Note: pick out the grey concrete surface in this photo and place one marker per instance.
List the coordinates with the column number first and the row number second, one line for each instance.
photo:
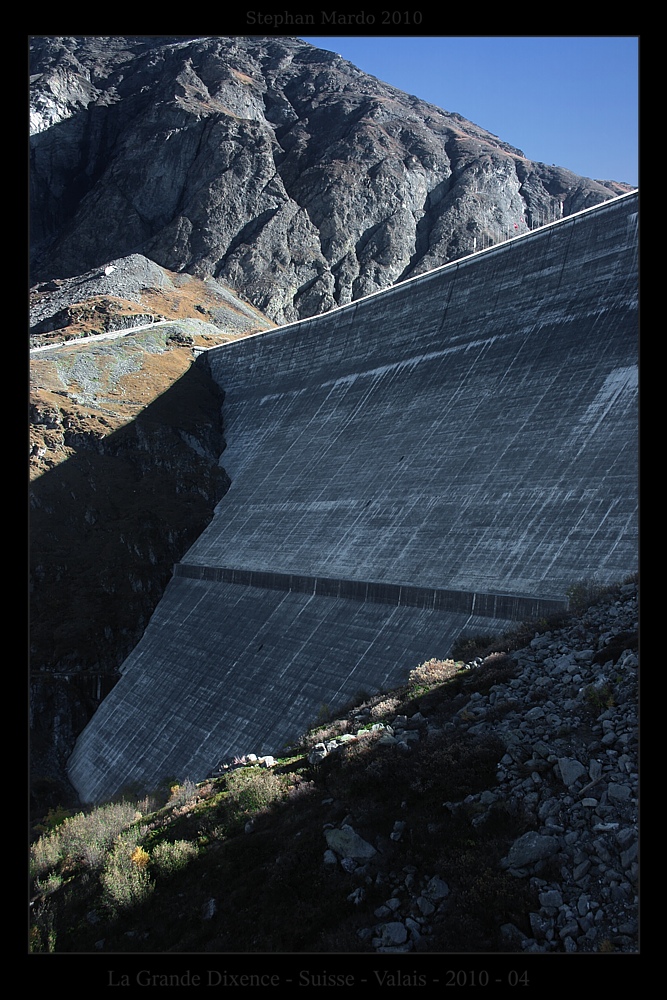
column 224, row 670
column 474, row 428
column 472, row 431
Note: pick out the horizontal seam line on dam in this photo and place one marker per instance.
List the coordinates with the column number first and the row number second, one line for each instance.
column 403, row 595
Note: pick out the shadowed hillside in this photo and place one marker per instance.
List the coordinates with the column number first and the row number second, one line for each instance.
column 125, row 437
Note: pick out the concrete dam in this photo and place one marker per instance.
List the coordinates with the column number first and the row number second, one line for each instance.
column 438, row 459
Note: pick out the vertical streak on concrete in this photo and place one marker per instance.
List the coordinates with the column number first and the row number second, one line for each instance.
column 436, row 458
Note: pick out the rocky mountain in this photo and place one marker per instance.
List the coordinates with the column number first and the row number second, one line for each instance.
column 275, row 166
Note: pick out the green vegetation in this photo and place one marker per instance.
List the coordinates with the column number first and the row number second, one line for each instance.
column 139, row 875
column 235, row 864
column 599, row 697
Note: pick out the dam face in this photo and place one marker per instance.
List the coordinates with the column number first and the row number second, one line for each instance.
column 444, row 457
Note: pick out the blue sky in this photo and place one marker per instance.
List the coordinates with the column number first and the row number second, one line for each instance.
column 572, row 101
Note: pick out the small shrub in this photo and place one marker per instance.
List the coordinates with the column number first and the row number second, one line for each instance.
column 360, row 697
column 97, row 829
column 147, row 804
column 500, row 709
column 252, row 790
column 383, row 708
column 183, row 793
column 34, row 940
column 599, row 696
column 140, row 858
column 125, row 879
column 166, row 858
column 434, row 672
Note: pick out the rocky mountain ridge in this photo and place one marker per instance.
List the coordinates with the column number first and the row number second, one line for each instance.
column 128, row 291
column 277, row 167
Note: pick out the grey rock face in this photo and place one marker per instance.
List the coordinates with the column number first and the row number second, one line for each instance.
column 581, row 857
column 530, row 848
column 349, row 844
column 570, row 770
column 436, row 889
column 126, row 278
column 277, row 167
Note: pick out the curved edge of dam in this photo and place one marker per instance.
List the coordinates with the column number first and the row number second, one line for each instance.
column 436, row 459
